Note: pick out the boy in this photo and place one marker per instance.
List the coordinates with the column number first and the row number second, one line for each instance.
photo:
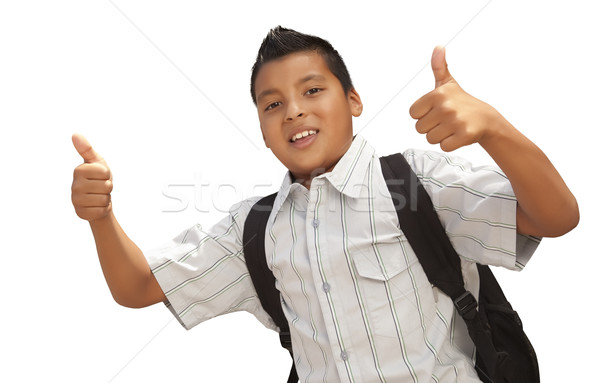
column 359, row 305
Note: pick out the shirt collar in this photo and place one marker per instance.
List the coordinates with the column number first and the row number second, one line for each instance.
column 348, row 175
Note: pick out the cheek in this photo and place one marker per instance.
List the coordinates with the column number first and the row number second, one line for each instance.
column 264, row 129
column 271, row 134
column 269, row 121
column 264, row 124
column 334, row 108
column 336, row 113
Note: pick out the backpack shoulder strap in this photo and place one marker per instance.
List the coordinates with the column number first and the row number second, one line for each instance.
column 422, row 227
column 426, row 235
column 263, row 279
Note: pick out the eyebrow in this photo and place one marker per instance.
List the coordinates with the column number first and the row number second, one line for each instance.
column 311, row 77
column 307, row 78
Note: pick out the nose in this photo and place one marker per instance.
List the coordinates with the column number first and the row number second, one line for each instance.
column 294, row 111
column 290, row 118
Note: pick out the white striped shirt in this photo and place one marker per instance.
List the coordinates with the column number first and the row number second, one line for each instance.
column 358, row 302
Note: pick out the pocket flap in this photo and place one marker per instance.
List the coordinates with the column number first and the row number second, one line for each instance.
column 384, row 260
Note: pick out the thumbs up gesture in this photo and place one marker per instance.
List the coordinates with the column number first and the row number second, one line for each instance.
column 92, row 183
column 448, row 115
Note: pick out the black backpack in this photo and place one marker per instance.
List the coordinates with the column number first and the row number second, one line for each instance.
column 504, row 353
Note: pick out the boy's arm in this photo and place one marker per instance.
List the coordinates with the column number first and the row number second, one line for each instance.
column 453, row 118
column 125, row 268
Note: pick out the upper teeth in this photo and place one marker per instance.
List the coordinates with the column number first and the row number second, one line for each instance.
column 303, row 134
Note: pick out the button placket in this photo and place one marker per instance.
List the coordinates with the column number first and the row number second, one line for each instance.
column 316, row 216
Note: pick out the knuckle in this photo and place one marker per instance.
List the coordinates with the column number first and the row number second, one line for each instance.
column 431, row 139
column 468, row 134
column 445, row 146
column 101, row 171
column 76, row 197
column 460, row 127
column 102, row 211
column 438, row 96
column 419, row 126
column 76, row 187
column 413, row 112
column 91, row 213
column 85, row 214
column 83, row 171
column 444, row 91
column 447, row 107
column 80, row 214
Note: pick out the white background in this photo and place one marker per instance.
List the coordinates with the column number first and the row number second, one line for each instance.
column 161, row 89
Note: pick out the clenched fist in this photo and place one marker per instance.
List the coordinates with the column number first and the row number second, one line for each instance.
column 448, row 115
column 92, row 183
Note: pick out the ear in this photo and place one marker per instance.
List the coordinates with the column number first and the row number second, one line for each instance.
column 355, row 103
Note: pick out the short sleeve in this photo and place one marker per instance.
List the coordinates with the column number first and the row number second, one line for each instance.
column 477, row 207
column 203, row 273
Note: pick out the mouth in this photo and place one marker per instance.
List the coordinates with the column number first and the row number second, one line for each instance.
column 303, row 135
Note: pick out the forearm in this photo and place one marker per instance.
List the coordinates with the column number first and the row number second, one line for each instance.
column 546, row 206
column 124, row 266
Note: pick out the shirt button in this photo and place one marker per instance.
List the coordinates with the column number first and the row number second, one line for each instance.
column 326, row 287
column 315, row 223
column 344, row 355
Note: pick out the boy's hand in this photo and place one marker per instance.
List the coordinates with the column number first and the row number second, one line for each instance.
column 450, row 116
column 92, row 182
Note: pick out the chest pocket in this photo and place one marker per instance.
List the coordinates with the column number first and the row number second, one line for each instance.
column 396, row 291
column 385, row 259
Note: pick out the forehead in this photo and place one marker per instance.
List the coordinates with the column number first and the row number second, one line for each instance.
column 291, row 69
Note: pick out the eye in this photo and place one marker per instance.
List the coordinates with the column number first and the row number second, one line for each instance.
column 313, row 91
column 272, row 106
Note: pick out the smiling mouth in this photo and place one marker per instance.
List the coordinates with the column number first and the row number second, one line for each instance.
column 303, row 134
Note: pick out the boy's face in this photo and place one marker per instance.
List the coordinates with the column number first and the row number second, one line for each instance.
column 298, row 94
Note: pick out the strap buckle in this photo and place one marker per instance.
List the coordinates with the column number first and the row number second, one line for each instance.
column 465, row 304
